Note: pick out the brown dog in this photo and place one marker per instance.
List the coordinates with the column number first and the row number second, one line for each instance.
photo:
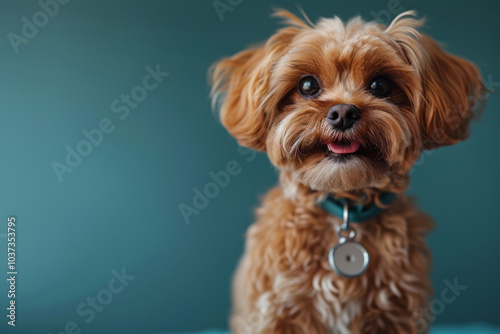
column 343, row 111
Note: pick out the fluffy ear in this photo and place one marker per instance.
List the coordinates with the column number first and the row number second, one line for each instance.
column 242, row 84
column 451, row 91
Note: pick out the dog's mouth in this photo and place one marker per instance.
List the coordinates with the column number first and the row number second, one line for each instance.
column 343, row 147
column 344, row 150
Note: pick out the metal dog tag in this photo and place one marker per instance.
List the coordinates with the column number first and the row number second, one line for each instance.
column 348, row 258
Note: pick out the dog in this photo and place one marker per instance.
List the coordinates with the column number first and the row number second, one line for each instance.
column 343, row 110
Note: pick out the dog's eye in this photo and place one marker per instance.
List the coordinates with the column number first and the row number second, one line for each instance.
column 308, row 87
column 380, row 87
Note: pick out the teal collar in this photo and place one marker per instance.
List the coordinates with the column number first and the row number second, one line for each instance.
column 357, row 213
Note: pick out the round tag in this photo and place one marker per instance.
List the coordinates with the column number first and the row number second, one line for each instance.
column 348, row 259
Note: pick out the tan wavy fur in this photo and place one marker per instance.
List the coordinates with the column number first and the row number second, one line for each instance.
column 284, row 283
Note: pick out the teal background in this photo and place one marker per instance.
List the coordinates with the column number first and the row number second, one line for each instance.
column 119, row 207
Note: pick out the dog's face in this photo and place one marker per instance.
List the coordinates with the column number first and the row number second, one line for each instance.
column 347, row 106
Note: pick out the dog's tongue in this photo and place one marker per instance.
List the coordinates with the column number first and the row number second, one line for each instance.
column 339, row 148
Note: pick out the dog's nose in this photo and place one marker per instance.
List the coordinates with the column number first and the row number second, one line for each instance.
column 343, row 116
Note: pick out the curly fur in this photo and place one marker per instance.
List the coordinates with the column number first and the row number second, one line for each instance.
column 284, row 283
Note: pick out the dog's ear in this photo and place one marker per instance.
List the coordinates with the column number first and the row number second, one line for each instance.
column 242, row 83
column 451, row 88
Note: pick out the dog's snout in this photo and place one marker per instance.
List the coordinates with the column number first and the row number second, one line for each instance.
column 343, row 116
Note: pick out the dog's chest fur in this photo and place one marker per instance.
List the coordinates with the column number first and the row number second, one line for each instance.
column 285, row 268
